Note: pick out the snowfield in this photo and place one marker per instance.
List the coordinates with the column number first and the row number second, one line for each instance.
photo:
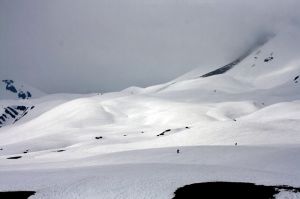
column 239, row 126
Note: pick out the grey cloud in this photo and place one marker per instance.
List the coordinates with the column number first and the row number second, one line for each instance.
column 90, row 46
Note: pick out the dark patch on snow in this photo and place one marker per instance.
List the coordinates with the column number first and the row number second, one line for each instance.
column 163, row 133
column 60, row 150
column 21, row 95
column 187, row 127
column 11, row 87
column 222, row 69
column 21, row 108
column 97, row 138
column 28, row 94
column 12, row 114
column 9, row 113
column 26, row 151
column 232, row 190
column 296, row 79
column 14, row 157
column 124, row 135
column 268, row 59
column 12, row 110
column 16, row 194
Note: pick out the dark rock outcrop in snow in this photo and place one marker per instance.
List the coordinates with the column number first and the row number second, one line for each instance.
column 14, row 157
column 222, row 69
column 163, row 133
column 21, row 94
column 268, row 59
column 16, row 194
column 296, row 79
column 12, row 114
column 232, row 190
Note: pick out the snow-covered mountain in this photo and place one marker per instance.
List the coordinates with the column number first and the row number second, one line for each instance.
column 14, row 98
column 123, row 144
column 10, row 89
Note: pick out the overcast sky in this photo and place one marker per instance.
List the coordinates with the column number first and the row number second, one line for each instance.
column 107, row 45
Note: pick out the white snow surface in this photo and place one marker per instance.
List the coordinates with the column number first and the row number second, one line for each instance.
column 256, row 104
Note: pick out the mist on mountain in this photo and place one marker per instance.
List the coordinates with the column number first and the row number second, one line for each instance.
column 93, row 46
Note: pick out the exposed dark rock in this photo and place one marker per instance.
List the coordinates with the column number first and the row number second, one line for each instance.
column 14, row 157
column 10, row 86
column 163, row 133
column 232, row 190
column 268, row 59
column 12, row 114
column 20, row 94
column 28, row 94
column 16, row 194
column 21, row 108
column 222, row 69
column 9, row 113
column 12, row 110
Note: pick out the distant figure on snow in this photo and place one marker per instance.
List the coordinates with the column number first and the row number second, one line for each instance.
column 178, row 151
column 235, row 144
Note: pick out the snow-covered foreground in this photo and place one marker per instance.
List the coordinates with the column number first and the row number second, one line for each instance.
column 242, row 125
column 153, row 173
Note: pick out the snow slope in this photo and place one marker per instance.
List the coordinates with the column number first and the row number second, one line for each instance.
column 10, row 89
column 123, row 144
